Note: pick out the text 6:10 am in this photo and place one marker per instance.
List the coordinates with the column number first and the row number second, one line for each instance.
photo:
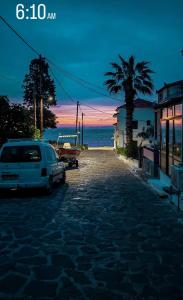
column 34, row 12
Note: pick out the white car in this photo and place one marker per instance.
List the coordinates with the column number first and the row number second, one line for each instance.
column 30, row 164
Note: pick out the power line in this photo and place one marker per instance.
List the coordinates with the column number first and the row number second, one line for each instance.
column 82, row 82
column 62, row 87
column 70, row 97
column 20, row 36
column 35, row 51
column 104, row 112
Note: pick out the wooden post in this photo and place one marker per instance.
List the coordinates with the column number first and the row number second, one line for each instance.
column 35, row 117
column 76, row 122
column 79, row 133
column 41, row 118
column 41, row 100
column 82, row 130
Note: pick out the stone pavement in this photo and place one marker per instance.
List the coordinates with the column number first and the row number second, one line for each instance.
column 104, row 235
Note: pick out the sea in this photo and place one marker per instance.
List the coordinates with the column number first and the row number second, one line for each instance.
column 98, row 136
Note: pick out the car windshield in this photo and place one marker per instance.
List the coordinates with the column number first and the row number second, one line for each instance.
column 15, row 154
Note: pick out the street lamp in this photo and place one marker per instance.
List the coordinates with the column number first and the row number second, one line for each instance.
column 50, row 99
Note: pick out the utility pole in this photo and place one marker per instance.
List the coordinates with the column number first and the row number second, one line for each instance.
column 79, row 133
column 82, row 130
column 41, row 101
column 76, row 122
column 182, row 126
column 35, row 116
column 41, row 117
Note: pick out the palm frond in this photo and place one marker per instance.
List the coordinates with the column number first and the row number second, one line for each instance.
column 149, row 84
column 116, row 66
column 125, row 64
column 147, row 70
column 116, row 89
column 143, row 89
column 110, row 82
column 113, row 74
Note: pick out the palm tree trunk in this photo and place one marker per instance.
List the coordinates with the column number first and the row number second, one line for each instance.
column 129, row 125
column 129, row 99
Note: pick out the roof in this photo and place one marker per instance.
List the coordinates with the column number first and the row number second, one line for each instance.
column 166, row 85
column 139, row 103
column 170, row 102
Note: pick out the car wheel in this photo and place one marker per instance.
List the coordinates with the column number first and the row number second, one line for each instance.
column 62, row 181
column 49, row 188
column 70, row 164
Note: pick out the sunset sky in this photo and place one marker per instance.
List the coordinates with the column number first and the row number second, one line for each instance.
column 86, row 36
column 67, row 115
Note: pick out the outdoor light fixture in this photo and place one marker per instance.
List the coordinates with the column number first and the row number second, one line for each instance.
column 50, row 98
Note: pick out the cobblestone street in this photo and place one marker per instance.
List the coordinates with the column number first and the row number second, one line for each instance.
column 103, row 235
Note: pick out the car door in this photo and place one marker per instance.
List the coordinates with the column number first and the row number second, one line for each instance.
column 53, row 164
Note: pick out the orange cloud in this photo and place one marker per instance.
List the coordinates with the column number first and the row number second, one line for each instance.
column 66, row 115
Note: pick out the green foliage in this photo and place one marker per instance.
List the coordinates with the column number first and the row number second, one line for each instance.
column 121, row 151
column 131, row 150
column 15, row 121
column 38, row 83
column 36, row 134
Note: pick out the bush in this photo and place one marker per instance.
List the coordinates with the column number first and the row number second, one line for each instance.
column 130, row 150
column 121, row 151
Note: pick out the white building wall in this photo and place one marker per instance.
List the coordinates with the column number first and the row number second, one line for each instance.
column 142, row 115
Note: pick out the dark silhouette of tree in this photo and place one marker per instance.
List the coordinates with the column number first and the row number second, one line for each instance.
column 131, row 78
column 15, row 120
column 4, row 122
column 20, row 119
column 38, row 83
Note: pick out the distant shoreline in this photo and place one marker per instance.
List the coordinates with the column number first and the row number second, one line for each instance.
column 94, row 136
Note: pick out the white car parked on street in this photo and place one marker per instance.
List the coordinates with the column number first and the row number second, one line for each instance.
column 30, row 164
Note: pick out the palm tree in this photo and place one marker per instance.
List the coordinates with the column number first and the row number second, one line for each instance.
column 131, row 78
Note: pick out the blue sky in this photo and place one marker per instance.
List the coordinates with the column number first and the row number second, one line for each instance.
column 87, row 36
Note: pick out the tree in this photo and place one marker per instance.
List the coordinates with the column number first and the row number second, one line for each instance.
column 131, row 78
column 4, row 123
column 146, row 134
column 38, row 83
column 15, row 120
column 20, row 120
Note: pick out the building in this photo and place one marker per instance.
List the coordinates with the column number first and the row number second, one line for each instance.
column 143, row 116
column 169, row 125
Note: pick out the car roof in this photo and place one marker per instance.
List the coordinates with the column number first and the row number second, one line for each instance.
column 25, row 143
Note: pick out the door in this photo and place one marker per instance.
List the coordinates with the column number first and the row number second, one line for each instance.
column 164, row 148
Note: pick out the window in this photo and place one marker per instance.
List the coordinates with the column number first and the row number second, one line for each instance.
column 170, row 111
column 178, row 110
column 164, row 113
column 15, row 154
column 174, row 91
column 148, row 122
column 177, row 139
column 50, row 154
column 135, row 124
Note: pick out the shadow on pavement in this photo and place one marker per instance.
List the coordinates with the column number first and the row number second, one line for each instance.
column 32, row 193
